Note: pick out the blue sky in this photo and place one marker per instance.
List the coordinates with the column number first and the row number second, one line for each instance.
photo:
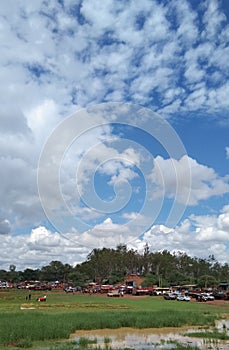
column 69, row 71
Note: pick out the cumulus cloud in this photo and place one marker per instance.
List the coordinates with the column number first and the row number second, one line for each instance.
column 39, row 248
column 197, row 236
column 107, row 234
column 59, row 57
column 170, row 176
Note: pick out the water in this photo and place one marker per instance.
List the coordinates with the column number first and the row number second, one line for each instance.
column 152, row 339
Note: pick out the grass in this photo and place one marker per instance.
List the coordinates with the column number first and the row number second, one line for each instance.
column 22, row 323
column 215, row 334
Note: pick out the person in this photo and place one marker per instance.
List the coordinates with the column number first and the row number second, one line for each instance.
column 28, row 297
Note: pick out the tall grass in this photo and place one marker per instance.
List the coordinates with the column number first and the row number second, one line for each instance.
column 36, row 326
column 215, row 334
column 63, row 314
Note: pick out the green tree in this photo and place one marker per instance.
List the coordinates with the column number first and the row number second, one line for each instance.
column 30, row 275
column 101, row 262
column 55, row 271
column 77, row 277
column 3, row 275
column 13, row 274
column 207, row 281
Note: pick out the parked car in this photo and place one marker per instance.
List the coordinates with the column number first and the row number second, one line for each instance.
column 219, row 295
column 69, row 290
column 205, row 297
column 170, row 296
column 208, row 296
column 183, row 298
column 4, row 284
column 201, row 297
column 114, row 293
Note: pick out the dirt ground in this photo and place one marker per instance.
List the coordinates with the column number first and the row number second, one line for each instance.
column 224, row 303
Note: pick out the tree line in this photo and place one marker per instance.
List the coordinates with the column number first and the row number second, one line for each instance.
column 111, row 266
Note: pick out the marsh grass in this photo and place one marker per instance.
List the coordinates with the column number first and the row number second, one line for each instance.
column 107, row 340
column 185, row 347
column 65, row 346
column 215, row 334
column 47, row 326
column 84, row 342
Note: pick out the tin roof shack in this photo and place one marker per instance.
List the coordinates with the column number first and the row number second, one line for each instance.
column 132, row 282
column 224, row 286
column 222, row 291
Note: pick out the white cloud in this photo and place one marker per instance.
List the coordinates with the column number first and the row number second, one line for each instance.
column 171, row 176
column 186, row 18
column 113, row 50
column 213, row 19
column 56, row 59
column 40, row 238
column 227, row 152
column 39, row 248
column 43, row 118
column 194, row 74
column 198, row 236
column 133, row 216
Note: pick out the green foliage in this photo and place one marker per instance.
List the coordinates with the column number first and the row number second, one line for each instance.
column 112, row 265
column 207, row 281
column 149, row 280
column 210, row 335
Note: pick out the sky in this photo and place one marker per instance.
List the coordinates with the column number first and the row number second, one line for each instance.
column 113, row 128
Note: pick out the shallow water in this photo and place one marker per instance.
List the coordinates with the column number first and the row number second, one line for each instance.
column 151, row 338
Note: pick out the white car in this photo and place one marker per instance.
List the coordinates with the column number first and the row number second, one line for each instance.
column 115, row 293
column 183, row 298
column 208, row 296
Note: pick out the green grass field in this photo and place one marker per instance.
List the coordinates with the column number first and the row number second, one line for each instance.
column 25, row 324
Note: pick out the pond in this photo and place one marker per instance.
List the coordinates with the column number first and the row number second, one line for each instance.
column 153, row 339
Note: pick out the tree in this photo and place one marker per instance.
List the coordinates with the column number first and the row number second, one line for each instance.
column 77, row 277
column 149, row 280
column 207, row 281
column 55, row 271
column 3, row 275
column 102, row 262
column 30, row 275
column 12, row 268
column 112, row 266
column 146, row 259
column 13, row 275
column 224, row 273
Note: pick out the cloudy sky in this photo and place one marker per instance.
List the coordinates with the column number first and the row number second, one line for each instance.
column 113, row 128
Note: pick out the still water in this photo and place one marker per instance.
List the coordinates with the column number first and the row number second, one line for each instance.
column 152, row 339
